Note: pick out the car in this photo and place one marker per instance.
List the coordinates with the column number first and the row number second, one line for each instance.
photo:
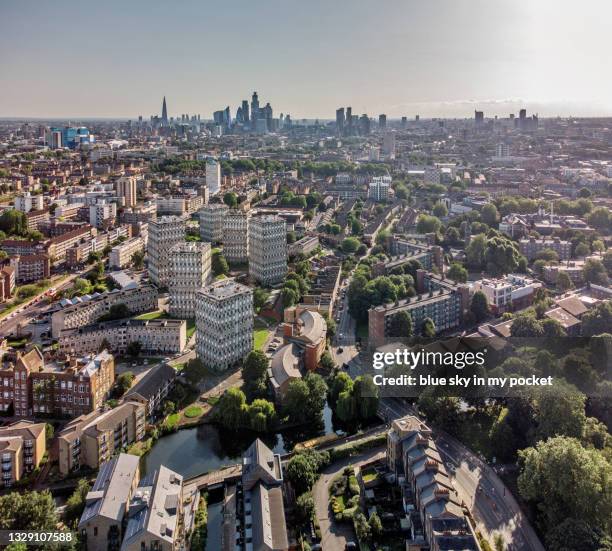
column 340, row 350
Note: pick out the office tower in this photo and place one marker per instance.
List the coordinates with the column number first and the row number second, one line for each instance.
column 479, row 117
column 267, row 249
column 364, row 125
column 349, row 115
column 211, row 222
column 224, row 323
column 340, row 120
column 126, row 188
column 189, row 270
column 164, row 233
column 254, row 108
column 523, row 114
column 245, row 111
column 227, row 118
column 53, row 138
column 213, row 176
column 267, row 115
column 404, row 122
column 417, row 118
column 164, row 115
column 382, row 122
column 389, row 145
column 236, row 236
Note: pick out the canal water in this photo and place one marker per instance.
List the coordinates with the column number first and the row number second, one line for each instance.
column 194, row 451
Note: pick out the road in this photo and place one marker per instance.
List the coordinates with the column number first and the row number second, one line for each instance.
column 493, row 506
column 335, row 535
column 33, row 307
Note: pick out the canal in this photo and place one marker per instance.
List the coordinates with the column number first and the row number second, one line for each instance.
column 191, row 452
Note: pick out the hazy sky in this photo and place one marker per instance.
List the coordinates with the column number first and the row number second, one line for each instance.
column 307, row 57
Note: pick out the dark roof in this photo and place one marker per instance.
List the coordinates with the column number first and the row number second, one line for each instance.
column 155, row 378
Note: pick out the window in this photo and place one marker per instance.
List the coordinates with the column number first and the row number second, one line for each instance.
column 95, row 530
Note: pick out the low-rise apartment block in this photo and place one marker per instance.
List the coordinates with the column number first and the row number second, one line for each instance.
column 141, row 299
column 102, row 521
column 22, row 447
column 92, row 439
column 154, row 386
column 121, row 255
column 32, row 386
column 530, row 247
column 29, row 268
column 303, row 246
column 511, row 292
column 156, row 336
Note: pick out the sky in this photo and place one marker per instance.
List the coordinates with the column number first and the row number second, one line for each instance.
column 70, row 58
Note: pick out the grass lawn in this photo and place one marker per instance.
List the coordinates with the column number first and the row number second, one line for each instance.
column 193, row 411
column 151, row 315
column 362, row 331
column 191, row 327
column 259, row 338
column 140, row 448
column 172, row 420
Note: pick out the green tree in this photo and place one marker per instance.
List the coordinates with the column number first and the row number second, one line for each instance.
column 231, row 409
column 261, row 414
column 305, row 507
column 124, row 382
column 429, row 328
column 560, row 412
column 303, row 470
column 475, row 251
column 479, row 306
column 489, row 214
column 230, row 199
column 350, row 245
column 582, row 249
column 595, row 272
column 566, row 480
column 194, row 371
column 564, row 282
column 255, row 374
column 376, row 527
column 400, row 325
column 362, row 528
column 219, row 264
column 133, row 349
column 338, row 383
column 526, row 325
column 365, row 397
column 576, row 535
column 76, row 503
column 598, row 320
column 440, row 210
column 260, row 297
column 138, row 260
column 34, row 511
column 457, row 273
column 428, row 224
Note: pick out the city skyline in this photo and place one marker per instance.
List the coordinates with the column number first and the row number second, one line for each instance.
column 404, row 58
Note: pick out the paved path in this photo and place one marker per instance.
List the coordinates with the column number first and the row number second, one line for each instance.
column 335, row 535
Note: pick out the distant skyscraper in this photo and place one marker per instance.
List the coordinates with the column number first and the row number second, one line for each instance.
column 254, row 107
column 164, row 116
column 340, row 120
column 364, row 124
column 382, row 122
column 245, row 110
column 126, row 188
column 389, row 145
column 479, row 117
column 404, row 122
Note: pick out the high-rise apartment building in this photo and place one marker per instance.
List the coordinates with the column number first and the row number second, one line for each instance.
column 267, row 249
column 213, row 176
column 382, row 122
column 236, row 236
column 224, row 323
column 378, row 189
column 126, row 188
column 211, row 222
column 190, row 270
column 164, row 233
